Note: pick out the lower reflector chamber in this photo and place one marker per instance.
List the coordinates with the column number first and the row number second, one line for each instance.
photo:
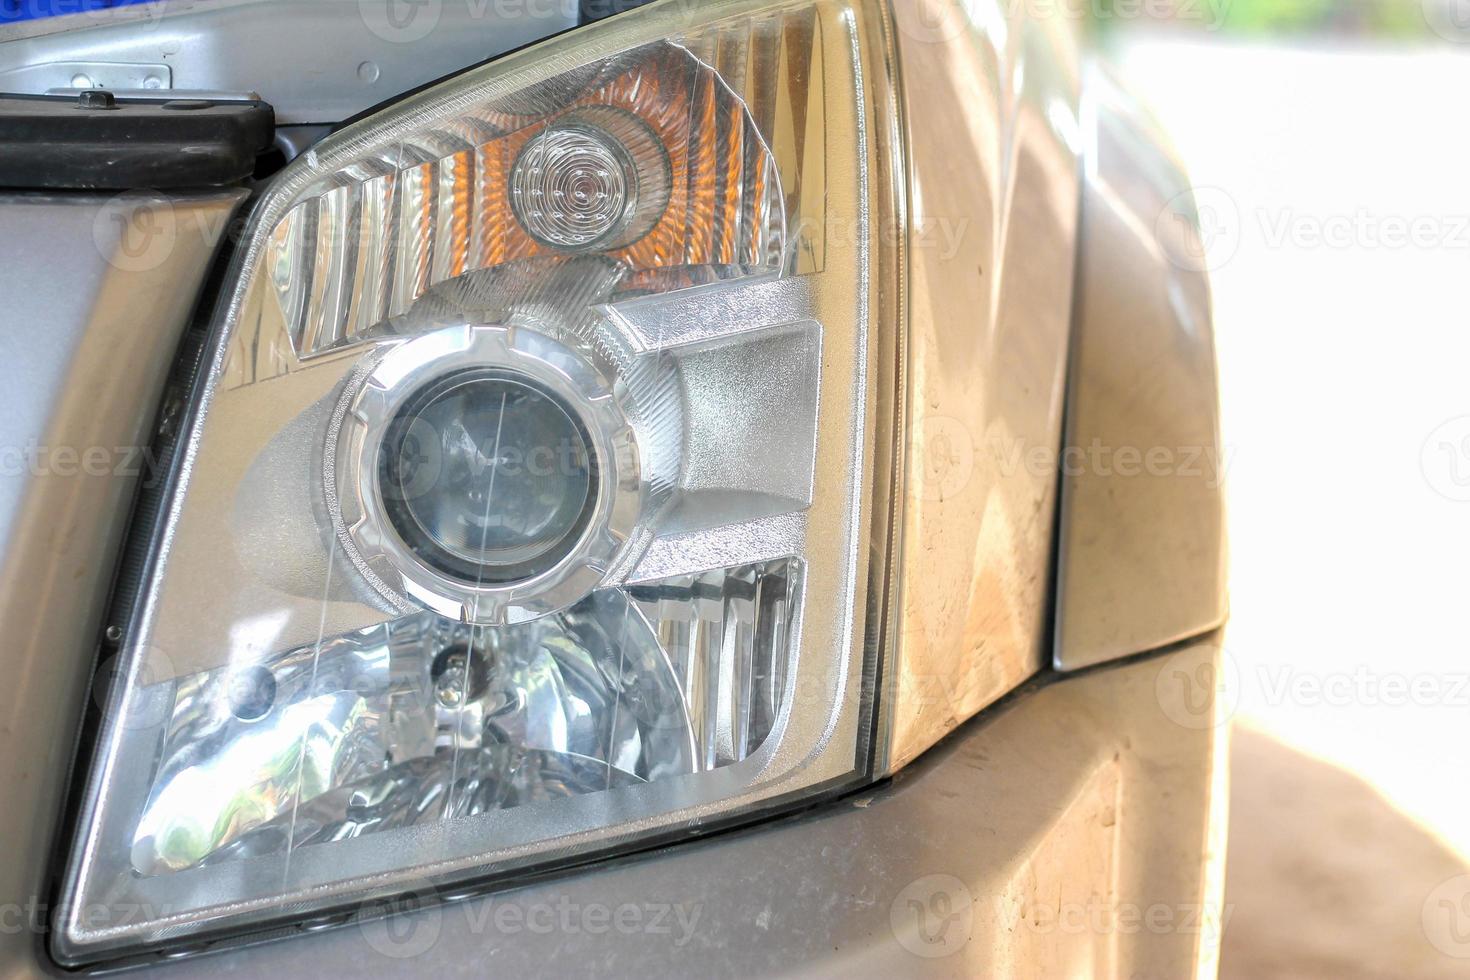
column 425, row 719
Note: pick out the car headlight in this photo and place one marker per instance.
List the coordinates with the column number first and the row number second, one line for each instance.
column 533, row 487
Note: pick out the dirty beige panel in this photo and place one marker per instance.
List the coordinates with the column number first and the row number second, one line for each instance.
column 993, row 193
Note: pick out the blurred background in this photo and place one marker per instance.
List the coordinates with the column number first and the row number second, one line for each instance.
column 1331, row 160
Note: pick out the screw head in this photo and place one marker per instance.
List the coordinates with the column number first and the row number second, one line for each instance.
column 96, row 98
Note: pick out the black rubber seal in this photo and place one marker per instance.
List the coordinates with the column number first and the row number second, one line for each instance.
column 94, row 141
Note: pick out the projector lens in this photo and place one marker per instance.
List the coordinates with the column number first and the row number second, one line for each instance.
column 487, row 476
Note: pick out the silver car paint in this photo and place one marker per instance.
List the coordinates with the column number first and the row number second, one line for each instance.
column 1142, row 552
column 96, row 292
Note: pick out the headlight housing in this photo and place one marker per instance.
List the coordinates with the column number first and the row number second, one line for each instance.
column 536, row 496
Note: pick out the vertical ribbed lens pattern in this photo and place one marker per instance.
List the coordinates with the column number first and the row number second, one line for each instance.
column 573, row 187
column 660, row 164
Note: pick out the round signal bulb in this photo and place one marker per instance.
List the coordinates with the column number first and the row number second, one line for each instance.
column 573, row 187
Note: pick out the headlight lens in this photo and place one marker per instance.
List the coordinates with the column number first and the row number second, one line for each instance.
column 528, row 503
column 505, row 472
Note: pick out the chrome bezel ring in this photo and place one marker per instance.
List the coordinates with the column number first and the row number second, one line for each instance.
column 373, row 400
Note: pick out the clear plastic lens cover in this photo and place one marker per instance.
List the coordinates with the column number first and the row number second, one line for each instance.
column 523, row 512
column 422, row 719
